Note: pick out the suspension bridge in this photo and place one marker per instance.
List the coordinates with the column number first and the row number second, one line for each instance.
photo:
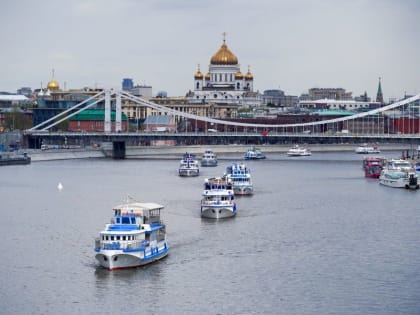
column 398, row 122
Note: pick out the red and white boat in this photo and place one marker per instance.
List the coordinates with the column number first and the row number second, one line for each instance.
column 373, row 166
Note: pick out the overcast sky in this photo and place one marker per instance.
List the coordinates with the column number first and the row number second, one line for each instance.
column 293, row 45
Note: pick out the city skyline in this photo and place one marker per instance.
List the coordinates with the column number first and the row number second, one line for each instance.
column 291, row 45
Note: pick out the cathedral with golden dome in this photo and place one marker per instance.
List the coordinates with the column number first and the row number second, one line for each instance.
column 224, row 82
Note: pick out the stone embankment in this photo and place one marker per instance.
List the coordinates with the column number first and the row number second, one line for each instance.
column 175, row 152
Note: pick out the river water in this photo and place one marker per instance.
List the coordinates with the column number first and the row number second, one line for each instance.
column 315, row 238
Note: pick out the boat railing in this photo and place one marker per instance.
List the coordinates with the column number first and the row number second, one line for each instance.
column 216, row 202
column 120, row 245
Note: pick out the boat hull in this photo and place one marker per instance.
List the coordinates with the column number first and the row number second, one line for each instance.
column 399, row 183
column 243, row 190
column 208, row 163
column 117, row 259
column 218, row 212
column 188, row 172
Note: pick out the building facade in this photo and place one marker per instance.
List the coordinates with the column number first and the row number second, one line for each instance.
column 224, row 82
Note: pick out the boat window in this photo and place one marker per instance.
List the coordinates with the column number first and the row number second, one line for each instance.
column 124, row 238
column 118, row 237
column 112, row 237
column 133, row 220
column 118, row 220
column 106, row 238
column 125, row 220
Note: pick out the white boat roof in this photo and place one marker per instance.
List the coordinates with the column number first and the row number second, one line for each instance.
column 138, row 206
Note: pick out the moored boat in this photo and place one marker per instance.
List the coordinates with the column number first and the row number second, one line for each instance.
column 240, row 175
column 399, row 178
column 14, row 158
column 188, row 166
column 209, row 158
column 373, row 166
column 254, row 153
column 367, row 149
column 218, row 198
column 136, row 236
column 297, row 150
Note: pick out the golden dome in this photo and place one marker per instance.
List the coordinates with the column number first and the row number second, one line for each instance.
column 53, row 85
column 198, row 75
column 224, row 56
column 249, row 75
column 239, row 75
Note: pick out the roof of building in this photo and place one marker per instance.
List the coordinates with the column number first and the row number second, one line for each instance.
column 13, row 97
column 158, row 120
column 95, row 114
column 333, row 112
column 224, row 56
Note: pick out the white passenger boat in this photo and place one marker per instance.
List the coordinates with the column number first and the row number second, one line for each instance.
column 399, row 178
column 399, row 164
column 254, row 154
column 240, row 175
column 218, row 198
column 188, row 166
column 367, row 149
column 209, row 158
column 136, row 236
column 296, row 150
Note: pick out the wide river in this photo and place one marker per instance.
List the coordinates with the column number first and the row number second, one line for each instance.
column 315, row 238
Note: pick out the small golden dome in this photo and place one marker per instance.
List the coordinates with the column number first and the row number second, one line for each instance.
column 224, row 56
column 239, row 75
column 249, row 75
column 198, row 75
column 207, row 77
column 53, row 85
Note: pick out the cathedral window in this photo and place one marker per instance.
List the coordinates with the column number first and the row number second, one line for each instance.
column 238, row 86
column 225, row 77
column 215, row 95
column 198, row 85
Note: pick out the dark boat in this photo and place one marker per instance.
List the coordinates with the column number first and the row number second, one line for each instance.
column 14, row 159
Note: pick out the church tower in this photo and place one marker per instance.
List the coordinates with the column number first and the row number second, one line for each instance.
column 379, row 96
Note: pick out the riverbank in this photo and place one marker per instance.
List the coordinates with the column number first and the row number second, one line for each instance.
column 174, row 152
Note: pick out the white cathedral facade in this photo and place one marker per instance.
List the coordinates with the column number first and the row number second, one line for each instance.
column 224, row 82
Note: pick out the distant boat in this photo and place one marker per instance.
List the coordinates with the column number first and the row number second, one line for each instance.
column 373, row 166
column 399, row 174
column 60, row 186
column 240, row 175
column 254, row 154
column 188, row 166
column 14, row 158
column 296, row 150
column 209, row 158
column 367, row 149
